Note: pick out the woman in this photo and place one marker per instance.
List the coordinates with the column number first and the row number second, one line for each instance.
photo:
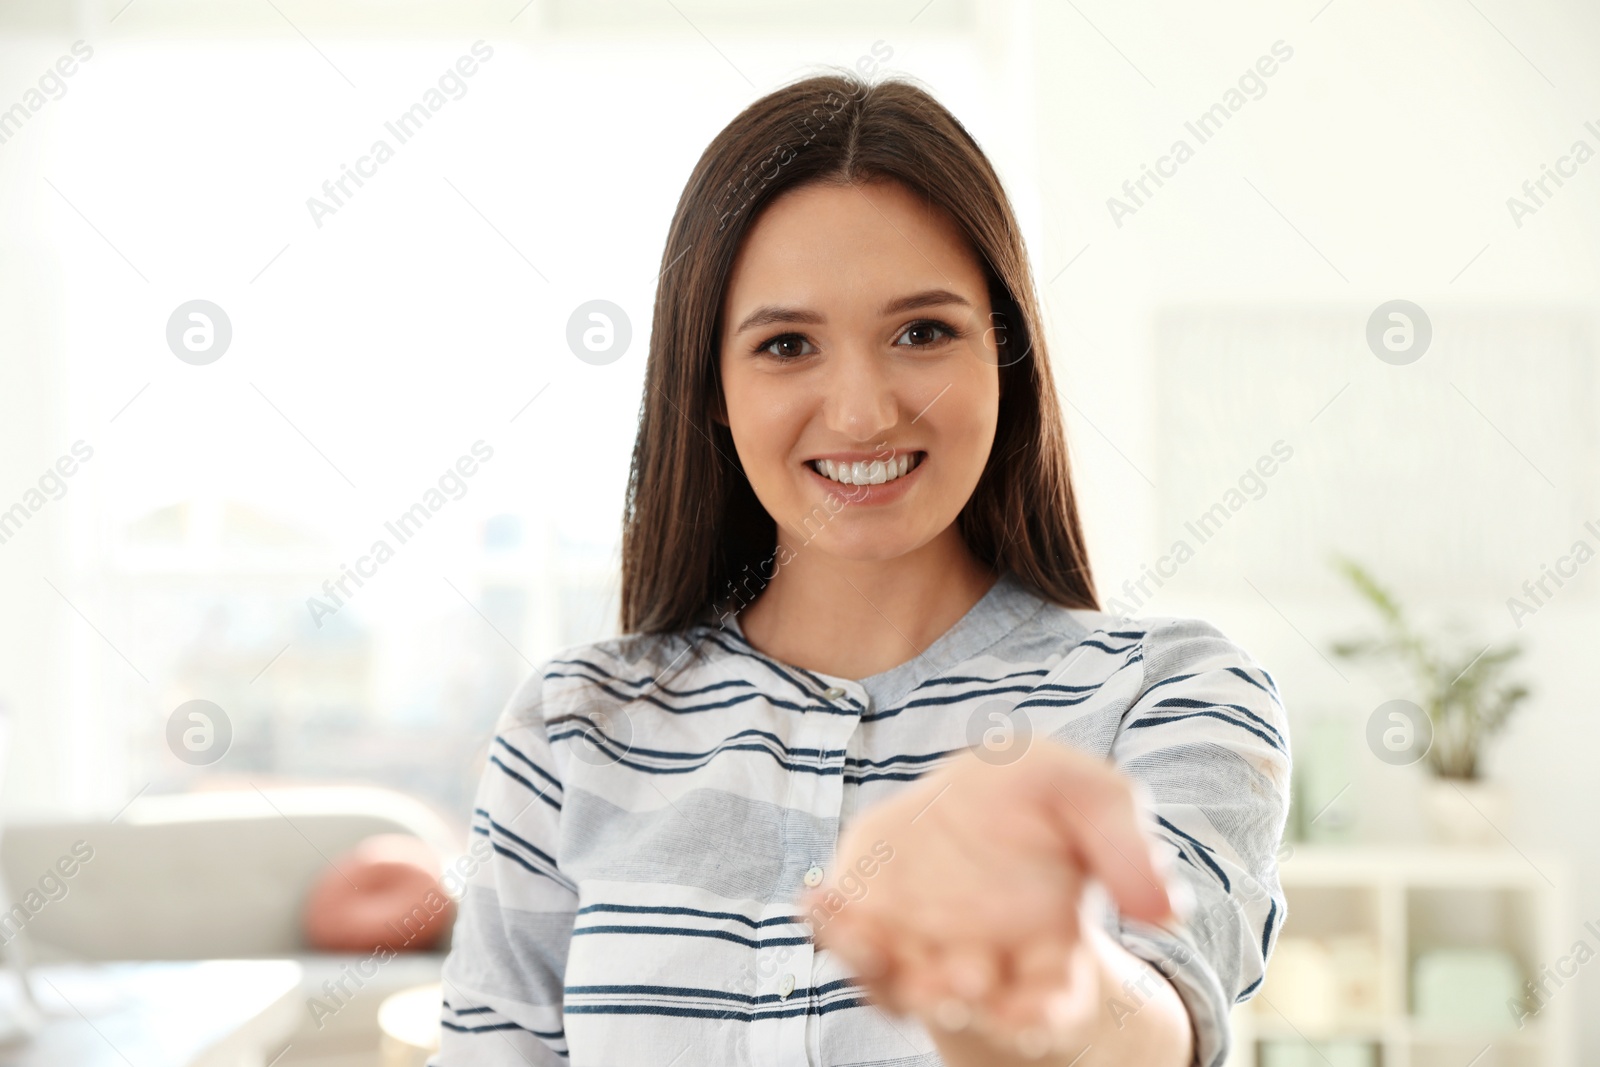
column 840, row 794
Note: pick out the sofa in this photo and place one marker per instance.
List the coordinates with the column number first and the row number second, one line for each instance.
column 219, row 875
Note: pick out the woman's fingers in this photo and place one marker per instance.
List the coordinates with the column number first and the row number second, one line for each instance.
column 969, row 908
column 853, row 937
column 1035, row 971
column 1101, row 811
column 1072, row 1008
column 971, row 971
column 902, row 972
column 1052, row 998
column 920, row 987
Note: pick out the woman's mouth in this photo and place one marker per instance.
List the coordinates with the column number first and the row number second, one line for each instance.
column 867, row 472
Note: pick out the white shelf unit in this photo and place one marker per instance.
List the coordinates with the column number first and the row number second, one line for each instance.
column 1412, row 899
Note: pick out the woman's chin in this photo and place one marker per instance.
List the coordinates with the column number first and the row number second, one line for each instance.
column 868, row 542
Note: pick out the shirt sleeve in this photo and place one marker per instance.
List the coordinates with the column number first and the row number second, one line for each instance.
column 502, row 980
column 1208, row 739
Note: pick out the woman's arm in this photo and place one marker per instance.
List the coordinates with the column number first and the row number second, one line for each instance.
column 502, row 981
column 1137, row 1019
column 982, row 924
column 989, row 860
column 1207, row 741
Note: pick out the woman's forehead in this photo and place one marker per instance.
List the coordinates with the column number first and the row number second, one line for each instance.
column 849, row 245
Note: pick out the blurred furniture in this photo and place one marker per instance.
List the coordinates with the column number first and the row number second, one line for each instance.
column 221, row 1013
column 1466, row 986
column 410, row 1024
column 203, row 875
column 1320, row 1054
column 386, row 891
column 1409, row 903
column 224, row 875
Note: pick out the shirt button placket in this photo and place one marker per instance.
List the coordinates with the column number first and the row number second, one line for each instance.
column 832, row 733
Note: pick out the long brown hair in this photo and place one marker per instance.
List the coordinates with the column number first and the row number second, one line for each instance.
column 693, row 531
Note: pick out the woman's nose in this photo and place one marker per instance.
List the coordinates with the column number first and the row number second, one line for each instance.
column 861, row 402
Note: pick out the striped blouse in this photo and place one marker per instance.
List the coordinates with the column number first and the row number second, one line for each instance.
column 654, row 805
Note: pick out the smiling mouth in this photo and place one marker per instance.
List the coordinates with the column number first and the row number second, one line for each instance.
column 867, row 472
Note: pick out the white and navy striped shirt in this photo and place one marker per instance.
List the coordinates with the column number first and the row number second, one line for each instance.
column 654, row 805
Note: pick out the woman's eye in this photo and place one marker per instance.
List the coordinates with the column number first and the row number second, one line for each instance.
column 788, row 346
column 925, row 334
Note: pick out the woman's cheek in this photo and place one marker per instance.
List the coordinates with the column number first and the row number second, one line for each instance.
column 750, row 422
column 970, row 441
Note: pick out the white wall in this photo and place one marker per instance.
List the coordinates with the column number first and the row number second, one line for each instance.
column 1390, row 141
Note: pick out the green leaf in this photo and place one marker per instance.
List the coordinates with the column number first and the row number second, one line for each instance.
column 1368, row 587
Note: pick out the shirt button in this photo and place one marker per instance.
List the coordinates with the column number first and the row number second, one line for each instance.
column 833, row 692
column 814, row 877
column 785, row 987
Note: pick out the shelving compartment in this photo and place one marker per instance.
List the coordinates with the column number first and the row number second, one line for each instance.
column 1326, row 983
column 1470, row 949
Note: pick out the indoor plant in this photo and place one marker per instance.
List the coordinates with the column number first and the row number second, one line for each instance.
column 1461, row 691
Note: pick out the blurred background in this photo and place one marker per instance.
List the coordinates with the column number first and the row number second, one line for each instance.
column 1321, row 281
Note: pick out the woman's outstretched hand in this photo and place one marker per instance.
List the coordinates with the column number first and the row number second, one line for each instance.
column 961, row 900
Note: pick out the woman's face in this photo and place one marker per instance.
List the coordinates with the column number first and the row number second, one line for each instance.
column 856, row 343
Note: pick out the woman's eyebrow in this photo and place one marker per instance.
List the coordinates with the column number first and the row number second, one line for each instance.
column 926, row 299
column 768, row 314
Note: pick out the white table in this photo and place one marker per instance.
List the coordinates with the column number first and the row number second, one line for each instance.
column 212, row 1013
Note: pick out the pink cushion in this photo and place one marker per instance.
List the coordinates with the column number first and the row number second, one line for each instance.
column 384, row 893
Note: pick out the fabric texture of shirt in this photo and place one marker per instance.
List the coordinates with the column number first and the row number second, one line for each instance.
column 655, row 805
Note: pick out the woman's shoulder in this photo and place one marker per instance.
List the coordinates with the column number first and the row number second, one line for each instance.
column 1187, row 657
column 1179, row 679
column 1152, row 631
column 1164, row 645
column 614, row 670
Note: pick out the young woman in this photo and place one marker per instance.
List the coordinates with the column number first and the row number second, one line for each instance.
column 850, row 789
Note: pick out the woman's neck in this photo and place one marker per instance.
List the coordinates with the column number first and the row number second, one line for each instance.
column 856, row 618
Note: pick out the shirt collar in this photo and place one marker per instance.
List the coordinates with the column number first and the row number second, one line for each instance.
column 1007, row 604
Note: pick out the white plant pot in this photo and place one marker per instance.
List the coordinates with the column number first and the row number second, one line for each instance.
column 1467, row 812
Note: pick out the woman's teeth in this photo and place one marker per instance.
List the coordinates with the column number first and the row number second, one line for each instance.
column 869, row 472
